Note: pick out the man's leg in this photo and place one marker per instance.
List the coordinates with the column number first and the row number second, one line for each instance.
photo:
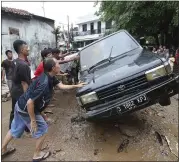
column 38, row 148
column 40, row 136
column 6, row 141
column 12, row 111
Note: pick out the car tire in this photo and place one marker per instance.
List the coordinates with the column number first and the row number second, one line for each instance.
column 165, row 101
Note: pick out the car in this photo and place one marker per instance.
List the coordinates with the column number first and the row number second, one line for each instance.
column 122, row 77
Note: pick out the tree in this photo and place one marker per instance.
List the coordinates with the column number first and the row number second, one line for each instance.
column 58, row 34
column 144, row 18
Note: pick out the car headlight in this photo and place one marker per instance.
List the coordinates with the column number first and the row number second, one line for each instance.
column 88, row 98
column 156, row 73
column 168, row 67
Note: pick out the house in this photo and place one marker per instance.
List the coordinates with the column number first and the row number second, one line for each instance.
column 35, row 30
column 90, row 28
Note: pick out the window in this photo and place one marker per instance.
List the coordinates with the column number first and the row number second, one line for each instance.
column 115, row 44
column 99, row 27
column 92, row 28
column 108, row 24
column 84, row 27
column 13, row 31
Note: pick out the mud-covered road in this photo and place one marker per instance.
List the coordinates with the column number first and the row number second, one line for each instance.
column 149, row 134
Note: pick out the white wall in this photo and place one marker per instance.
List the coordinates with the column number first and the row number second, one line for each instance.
column 103, row 25
column 36, row 33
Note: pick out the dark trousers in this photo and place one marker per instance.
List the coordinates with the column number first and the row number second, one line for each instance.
column 14, row 100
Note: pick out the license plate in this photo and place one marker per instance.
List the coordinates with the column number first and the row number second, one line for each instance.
column 130, row 105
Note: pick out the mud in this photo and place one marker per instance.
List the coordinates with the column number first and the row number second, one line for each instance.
column 132, row 138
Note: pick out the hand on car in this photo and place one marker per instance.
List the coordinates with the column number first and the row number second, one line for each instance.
column 79, row 85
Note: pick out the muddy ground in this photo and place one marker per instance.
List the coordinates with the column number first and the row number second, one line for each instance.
column 138, row 137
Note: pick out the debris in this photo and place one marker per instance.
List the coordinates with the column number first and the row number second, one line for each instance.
column 58, row 150
column 45, row 147
column 101, row 139
column 48, row 112
column 159, row 114
column 77, row 119
column 129, row 131
column 123, row 145
column 96, row 151
column 159, row 138
column 164, row 153
column 51, row 105
column 175, row 152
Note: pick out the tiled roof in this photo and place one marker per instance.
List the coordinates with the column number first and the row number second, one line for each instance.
column 16, row 11
column 23, row 13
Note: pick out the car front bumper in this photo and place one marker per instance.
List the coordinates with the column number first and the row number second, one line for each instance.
column 168, row 88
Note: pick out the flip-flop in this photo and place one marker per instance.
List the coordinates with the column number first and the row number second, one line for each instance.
column 45, row 156
column 9, row 151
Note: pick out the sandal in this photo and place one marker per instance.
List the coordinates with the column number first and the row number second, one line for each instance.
column 8, row 151
column 45, row 156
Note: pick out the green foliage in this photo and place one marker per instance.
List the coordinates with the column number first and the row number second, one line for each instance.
column 142, row 18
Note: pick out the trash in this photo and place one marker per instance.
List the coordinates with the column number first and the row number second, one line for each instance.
column 96, row 151
column 159, row 138
column 123, row 145
column 172, row 150
column 58, row 150
column 48, row 112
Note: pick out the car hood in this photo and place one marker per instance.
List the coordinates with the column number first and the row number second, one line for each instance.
column 131, row 64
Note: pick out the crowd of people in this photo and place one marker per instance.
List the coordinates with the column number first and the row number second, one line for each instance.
column 31, row 96
column 171, row 55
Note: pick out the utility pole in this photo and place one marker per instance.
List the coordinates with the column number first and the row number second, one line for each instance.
column 43, row 8
column 68, row 31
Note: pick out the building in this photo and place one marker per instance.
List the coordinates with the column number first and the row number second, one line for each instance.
column 34, row 29
column 90, row 28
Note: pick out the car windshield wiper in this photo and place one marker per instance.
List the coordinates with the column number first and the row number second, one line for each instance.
column 100, row 62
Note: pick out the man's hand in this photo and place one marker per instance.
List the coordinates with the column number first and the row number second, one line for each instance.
column 79, row 85
column 77, row 57
column 33, row 126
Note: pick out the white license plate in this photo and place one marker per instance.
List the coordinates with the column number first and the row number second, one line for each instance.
column 127, row 106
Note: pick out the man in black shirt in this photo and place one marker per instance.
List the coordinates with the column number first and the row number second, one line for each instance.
column 21, row 74
column 30, row 106
column 7, row 68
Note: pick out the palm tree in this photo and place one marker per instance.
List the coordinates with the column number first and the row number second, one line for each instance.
column 58, row 34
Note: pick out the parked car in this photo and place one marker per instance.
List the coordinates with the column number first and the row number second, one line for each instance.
column 123, row 77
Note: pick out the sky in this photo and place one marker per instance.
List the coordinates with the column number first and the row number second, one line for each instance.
column 57, row 11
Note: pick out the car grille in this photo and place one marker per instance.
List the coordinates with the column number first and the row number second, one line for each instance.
column 128, row 87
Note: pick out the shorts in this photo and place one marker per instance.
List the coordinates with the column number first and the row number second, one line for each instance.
column 21, row 121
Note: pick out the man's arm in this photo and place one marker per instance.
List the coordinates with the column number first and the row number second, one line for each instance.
column 63, row 86
column 3, row 71
column 30, row 109
column 24, row 86
column 64, row 55
column 68, row 60
column 3, row 74
column 25, row 76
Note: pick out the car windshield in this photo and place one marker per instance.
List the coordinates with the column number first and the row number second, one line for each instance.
column 120, row 43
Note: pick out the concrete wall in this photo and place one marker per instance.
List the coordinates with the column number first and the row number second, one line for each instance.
column 38, row 34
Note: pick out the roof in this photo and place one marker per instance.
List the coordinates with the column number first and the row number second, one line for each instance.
column 87, row 18
column 16, row 11
column 23, row 13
